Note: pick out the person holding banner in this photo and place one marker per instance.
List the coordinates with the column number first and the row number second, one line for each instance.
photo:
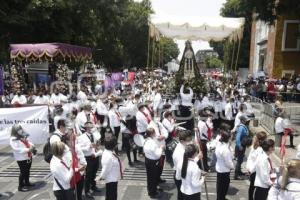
column 23, row 151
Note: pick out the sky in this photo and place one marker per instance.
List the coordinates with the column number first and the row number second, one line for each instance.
column 203, row 8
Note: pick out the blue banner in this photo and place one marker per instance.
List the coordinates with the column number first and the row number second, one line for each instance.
column 1, row 81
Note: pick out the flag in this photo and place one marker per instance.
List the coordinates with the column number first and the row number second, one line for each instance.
column 77, row 176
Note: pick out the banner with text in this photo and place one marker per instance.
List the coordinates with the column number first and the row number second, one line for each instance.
column 34, row 121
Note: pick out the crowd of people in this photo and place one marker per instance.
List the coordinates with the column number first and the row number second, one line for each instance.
column 92, row 128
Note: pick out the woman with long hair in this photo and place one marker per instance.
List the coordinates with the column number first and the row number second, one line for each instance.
column 190, row 174
column 290, row 186
column 252, row 159
column 224, row 164
column 264, row 168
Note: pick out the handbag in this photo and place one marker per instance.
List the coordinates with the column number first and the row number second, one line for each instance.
column 68, row 194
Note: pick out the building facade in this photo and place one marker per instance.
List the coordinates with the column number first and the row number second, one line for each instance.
column 275, row 49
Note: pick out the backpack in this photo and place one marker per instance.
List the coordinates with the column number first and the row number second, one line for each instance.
column 47, row 149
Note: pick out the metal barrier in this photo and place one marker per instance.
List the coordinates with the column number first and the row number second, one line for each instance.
column 264, row 112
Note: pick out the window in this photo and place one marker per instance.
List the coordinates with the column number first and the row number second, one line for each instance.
column 291, row 35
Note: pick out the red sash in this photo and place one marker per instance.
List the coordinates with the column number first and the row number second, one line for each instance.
column 76, row 176
column 147, row 117
column 27, row 145
column 209, row 132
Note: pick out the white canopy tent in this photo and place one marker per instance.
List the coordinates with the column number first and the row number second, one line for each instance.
column 196, row 28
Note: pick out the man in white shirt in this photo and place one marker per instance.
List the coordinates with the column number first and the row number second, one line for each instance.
column 60, row 132
column 81, row 95
column 237, row 121
column 202, row 137
column 157, row 102
column 82, row 117
column 41, row 99
column 91, row 151
column 19, row 99
column 102, row 112
column 55, row 98
column 230, row 112
column 186, row 98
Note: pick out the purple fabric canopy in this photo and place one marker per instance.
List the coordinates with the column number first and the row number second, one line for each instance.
column 36, row 51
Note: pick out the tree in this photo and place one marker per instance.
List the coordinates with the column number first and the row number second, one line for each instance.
column 213, row 62
column 236, row 8
column 119, row 28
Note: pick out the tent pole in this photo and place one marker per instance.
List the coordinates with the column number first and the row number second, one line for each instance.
column 237, row 56
column 153, row 47
column 159, row 51
column 148, row 51
column 232, row 58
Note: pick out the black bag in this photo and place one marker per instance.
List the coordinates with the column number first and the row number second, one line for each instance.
column 47, row 149
column 246, row 141
column 68, row 194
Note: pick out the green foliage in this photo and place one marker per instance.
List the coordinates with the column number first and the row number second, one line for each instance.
column 169, row 48
column 117, row 29
column 213, row 62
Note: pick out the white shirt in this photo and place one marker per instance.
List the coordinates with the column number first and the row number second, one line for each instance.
column 114, row 119
column 263, row 170
column 152, row 150
column 224, row 158
column 55, row 138
column 110, row 167
column 186, row 99
column 193, row 181
column 292, row 191
column 160, row 130
column 62, row 174
column 141, row 122
column 157, row 101
column 101, row 108
column 237, row 120
column 19, row 99
column 84, row 143
column 178, row 155
column 81, row 96
column 41, row 100
column 252, row 158
column 168, row 125
column 202, row 127
column 279, row 125
column 55, row 99
column 228, row 111
column 80, row 120
column 20, row 151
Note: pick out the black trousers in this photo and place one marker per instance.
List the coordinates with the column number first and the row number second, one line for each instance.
column 240, row 158
column 128, row 138
column 79, row 188
column 223, row 181
column 161, row 166
column 117, row 131
column 111, row 191
column 205, row 158
column 91, row 170
column 141, row 151
column 24, row 166
column 178, row 185
column 196, row 196
column 152, row 170
column 261, row 193
column 251, row 187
